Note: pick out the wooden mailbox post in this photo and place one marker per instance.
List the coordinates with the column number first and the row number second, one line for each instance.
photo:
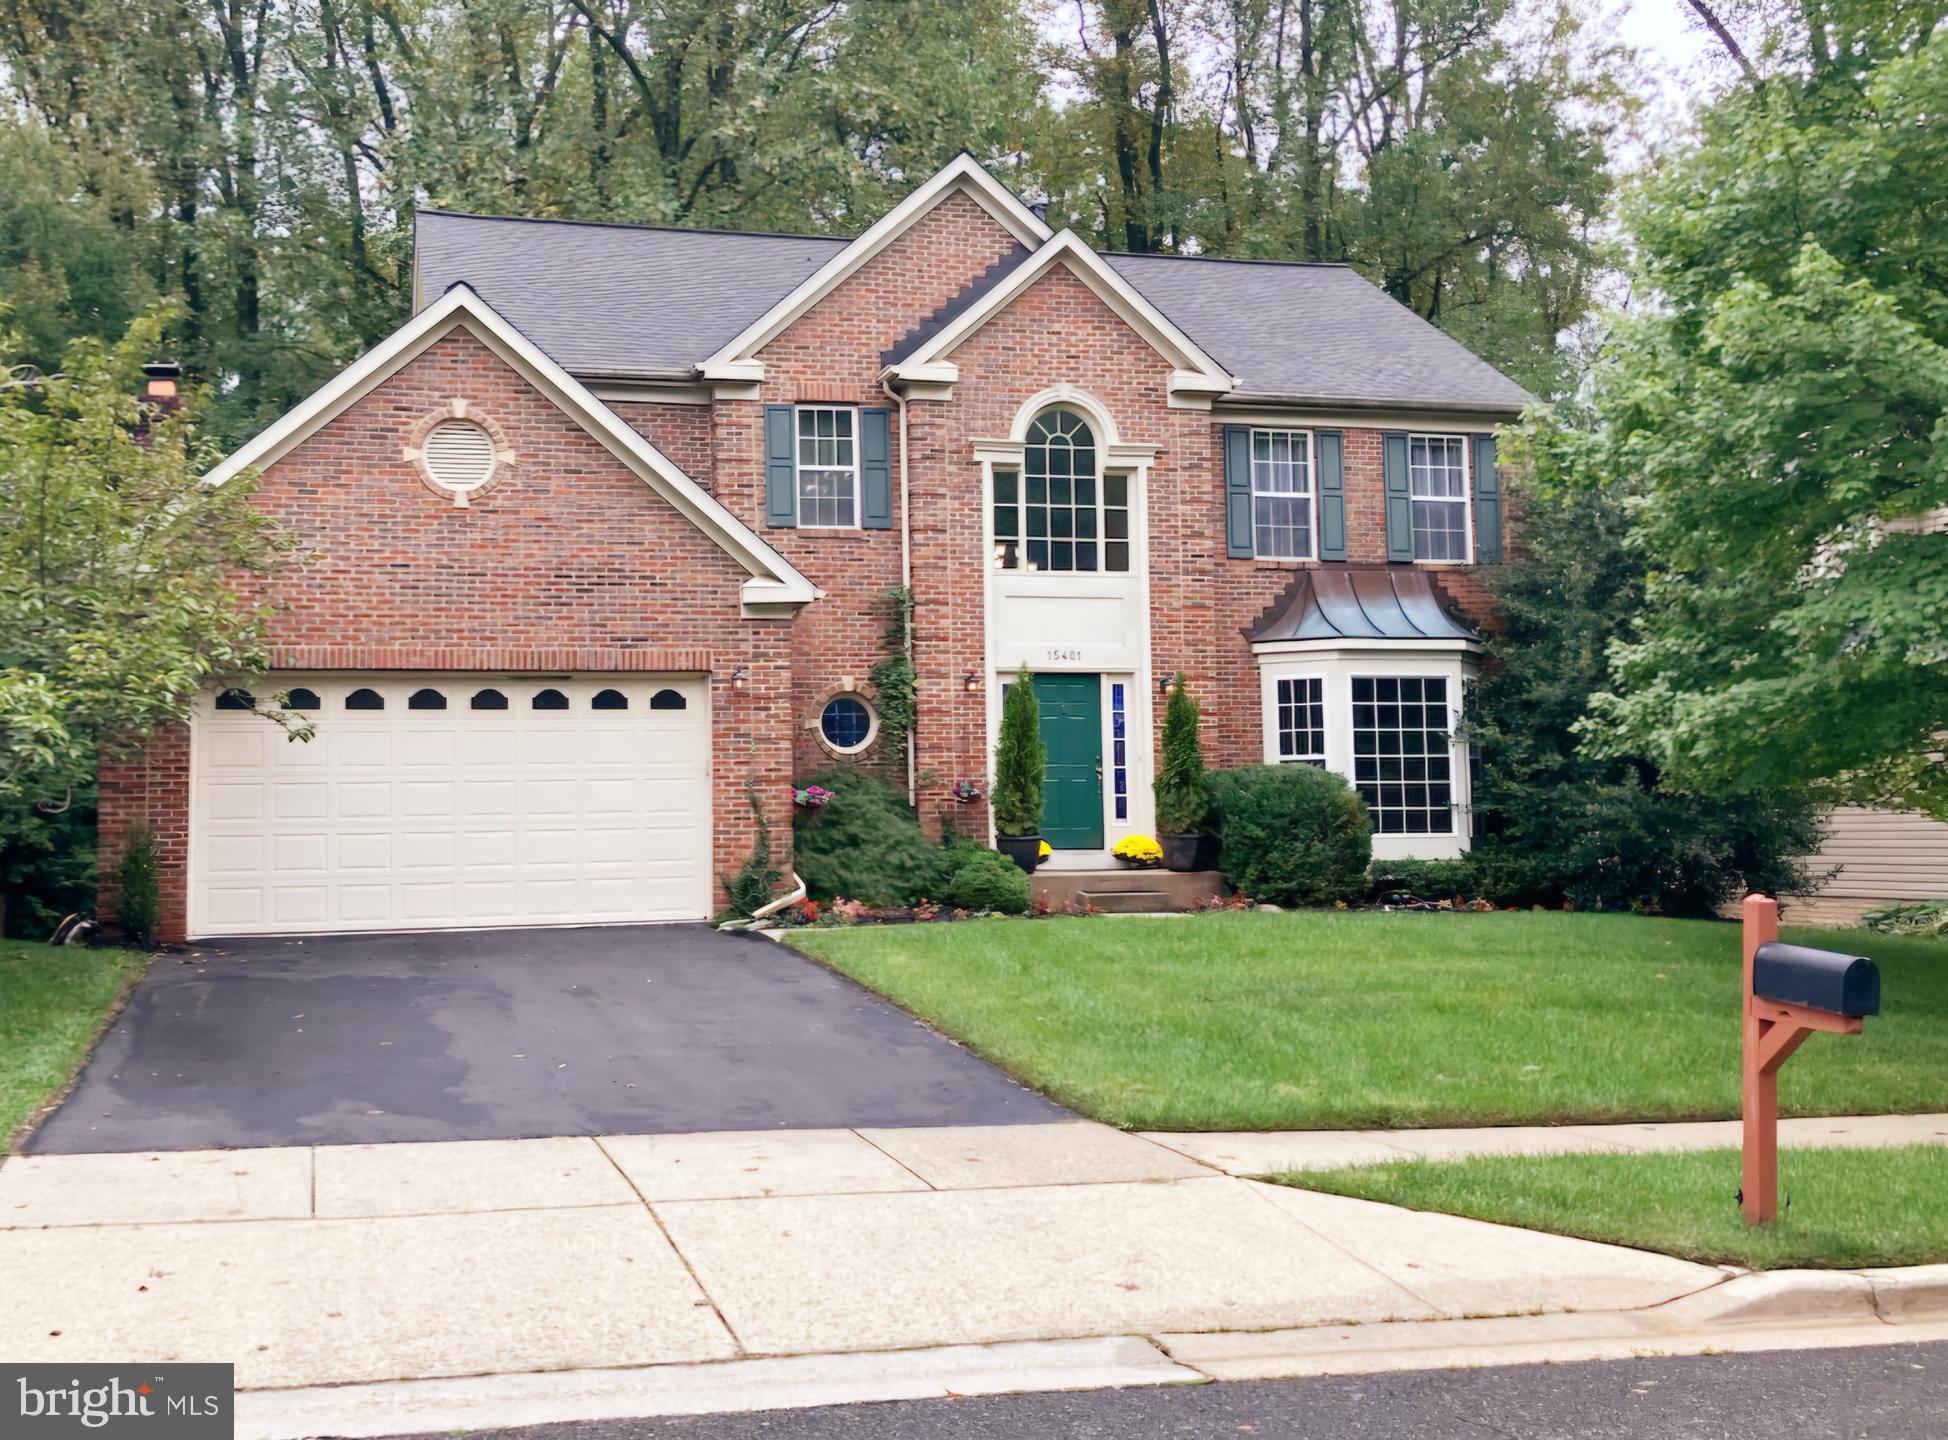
column 1790, row 991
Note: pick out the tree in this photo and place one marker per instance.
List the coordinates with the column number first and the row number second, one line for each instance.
column 1181, row 800
column 1776, row 413
column 1568, row 822
column 1020, row 761
column 117, row 571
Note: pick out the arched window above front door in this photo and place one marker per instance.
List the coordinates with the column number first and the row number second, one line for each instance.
column 1059, row 511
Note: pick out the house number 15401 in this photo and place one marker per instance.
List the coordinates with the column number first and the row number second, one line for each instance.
column 1061, row 655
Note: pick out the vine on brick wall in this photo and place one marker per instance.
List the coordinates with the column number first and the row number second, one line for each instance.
column 893, row 677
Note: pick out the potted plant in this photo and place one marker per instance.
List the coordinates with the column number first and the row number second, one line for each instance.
column 1019, row 763
column 1181, row 800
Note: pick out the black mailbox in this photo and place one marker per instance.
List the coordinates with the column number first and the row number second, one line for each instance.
column 1820, row 979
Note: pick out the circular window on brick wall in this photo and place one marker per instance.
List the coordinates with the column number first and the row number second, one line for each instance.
column 458, row 455
column 847, row 724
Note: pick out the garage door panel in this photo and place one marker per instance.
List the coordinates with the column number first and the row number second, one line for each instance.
column 431, row 818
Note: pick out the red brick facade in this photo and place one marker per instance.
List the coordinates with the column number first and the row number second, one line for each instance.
column 572, row 562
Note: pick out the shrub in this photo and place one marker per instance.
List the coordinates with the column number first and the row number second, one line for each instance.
column 138, row 905
column 989, row 880
column 1293, row 834
column 1182, row 802
column 1020, row 761
column 1426, row 879
column 756, row 880
column 1929, row 917
column 865, row 843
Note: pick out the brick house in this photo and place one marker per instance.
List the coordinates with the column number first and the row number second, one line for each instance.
column 599, row 545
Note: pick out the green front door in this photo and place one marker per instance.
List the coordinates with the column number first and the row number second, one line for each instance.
column 1072, row 730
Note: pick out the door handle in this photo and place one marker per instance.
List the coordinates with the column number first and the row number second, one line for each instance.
column 1099, row 767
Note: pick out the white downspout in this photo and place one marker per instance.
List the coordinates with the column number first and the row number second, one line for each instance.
column 906, row 576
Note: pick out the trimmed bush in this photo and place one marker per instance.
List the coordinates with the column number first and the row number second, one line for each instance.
column 1020, row 761
column 1293, row 834
column 989, row 880
column 865, row 844
column 1426, row 879
column 138, row 904
column 1182, row 803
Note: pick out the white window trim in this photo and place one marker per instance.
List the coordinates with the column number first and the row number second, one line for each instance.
column 1337, row 665
column 1105, row 468
column 1312, row 495
column 872, row 723
column 1466, row 501
column 1275, row 740
column 799, row 467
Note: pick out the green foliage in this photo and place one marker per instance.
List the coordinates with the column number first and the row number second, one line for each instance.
column 117, row 570
column 47, row 863
column 893, row 676
column 1020, row 761
column 756, row 880
column 865, row 843
column 1181, row 801
column 1426, row 879
column 989, row 880
column 1293, row 834
column 138, row 900
column 1929, row 917
column 1567, row 821
column 1775, row 406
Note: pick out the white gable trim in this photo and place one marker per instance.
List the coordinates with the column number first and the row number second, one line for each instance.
column 738, row 360
column 774, row 580
column 1194, row 382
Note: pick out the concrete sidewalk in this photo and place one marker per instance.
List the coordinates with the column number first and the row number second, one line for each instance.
column 372, row 1290
column 1270, row 1152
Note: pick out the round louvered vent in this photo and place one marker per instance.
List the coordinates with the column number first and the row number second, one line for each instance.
column 459, row 455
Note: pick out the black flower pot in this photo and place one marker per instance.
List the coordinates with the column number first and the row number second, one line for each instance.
column 1024, row 850
column 1180, row 851
column 1208, row 849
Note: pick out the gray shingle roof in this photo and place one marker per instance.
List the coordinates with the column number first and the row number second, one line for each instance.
column 1315, row 332
column 615, row 299
column 644, row 300
column 1352, row 603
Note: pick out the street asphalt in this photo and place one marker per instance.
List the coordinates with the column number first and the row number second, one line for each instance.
column 511, row 1034
column 1896, row 1393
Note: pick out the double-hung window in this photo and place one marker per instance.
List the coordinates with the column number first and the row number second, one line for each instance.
column 1281, row 494
column 1059, row 511
column 828, row 467
column 1302, row 720
column 1437, row 478
column 1403, row 753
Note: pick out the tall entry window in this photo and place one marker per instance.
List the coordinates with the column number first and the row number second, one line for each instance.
column 1403, row 753
column 1059, row 511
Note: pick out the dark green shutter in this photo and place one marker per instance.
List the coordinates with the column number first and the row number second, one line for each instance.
column 1488, row 503
column 875, row 469
column 1237, row 492
column 1332, row 494
column 780, row 473
column 1400, row 500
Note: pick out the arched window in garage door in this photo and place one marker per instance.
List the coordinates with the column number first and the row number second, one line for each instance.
column 489, row 700
column 550, row 700
column 426, row 700
column 609, row 700
column 363, row 699
column 668, row 700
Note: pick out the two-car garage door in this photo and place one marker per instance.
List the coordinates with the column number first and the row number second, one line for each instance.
column 443, row 801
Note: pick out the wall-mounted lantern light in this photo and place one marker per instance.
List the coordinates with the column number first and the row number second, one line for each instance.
column 737, row 677
column 971, row 683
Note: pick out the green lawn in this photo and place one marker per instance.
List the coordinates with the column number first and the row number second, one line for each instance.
column 51, row 1003
column 1849, row 1207
column 1354, row 1020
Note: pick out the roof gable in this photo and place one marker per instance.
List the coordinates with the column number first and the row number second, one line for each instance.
column 1196, row 378
column 774, row 580
column 737, row 360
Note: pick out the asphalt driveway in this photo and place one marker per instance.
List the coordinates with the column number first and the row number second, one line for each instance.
column 509, row 1035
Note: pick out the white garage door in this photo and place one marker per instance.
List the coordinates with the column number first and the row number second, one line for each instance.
column 444, row 801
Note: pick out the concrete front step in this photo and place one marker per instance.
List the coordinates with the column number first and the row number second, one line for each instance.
column 1128, row 892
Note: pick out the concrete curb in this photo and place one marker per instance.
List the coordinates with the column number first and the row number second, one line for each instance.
column 1815, row 1297
column 490, row 1402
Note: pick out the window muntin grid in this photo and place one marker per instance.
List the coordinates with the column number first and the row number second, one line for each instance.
column 1302, row 720
column 1403, row 753
column 828, row 468
column 1281, row 494
column 1119, row 749
column 1058, row 512
column 1437, row 480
